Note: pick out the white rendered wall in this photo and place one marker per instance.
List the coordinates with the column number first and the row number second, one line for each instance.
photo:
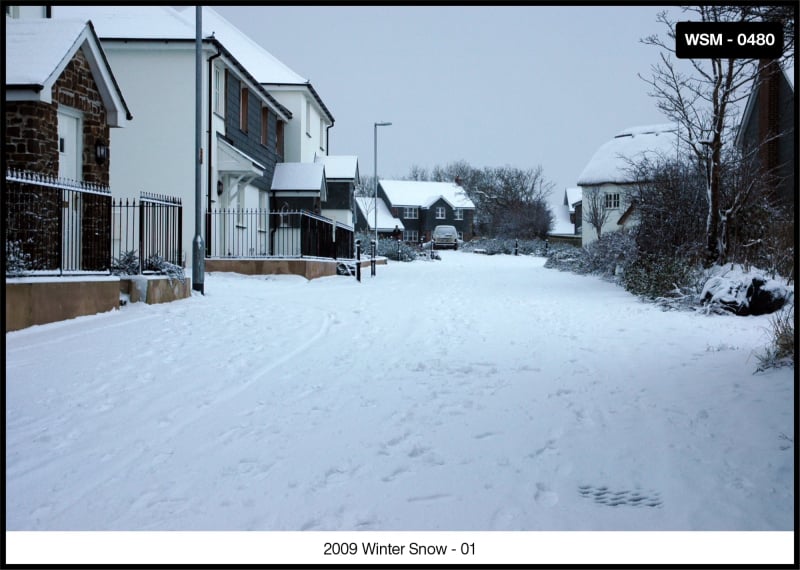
column 155, row 152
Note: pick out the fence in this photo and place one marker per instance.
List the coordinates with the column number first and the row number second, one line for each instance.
column 153, row 227
column 55, row 225
column 261, row 233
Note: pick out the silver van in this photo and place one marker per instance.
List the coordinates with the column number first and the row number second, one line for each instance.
column 445, row 236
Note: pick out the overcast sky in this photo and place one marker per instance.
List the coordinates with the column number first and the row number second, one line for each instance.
column 503, row 85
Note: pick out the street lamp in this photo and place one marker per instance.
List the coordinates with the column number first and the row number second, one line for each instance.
column 376, row 179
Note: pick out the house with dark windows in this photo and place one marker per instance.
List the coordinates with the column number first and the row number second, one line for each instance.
column 342, row 177
column 416, row 207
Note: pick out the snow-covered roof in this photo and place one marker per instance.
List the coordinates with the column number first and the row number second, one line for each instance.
column 339, row 167
column 424, row 194
column 299, row 176
column 571, row 197
column 157, row 23
column 37, row 50
column 135, row 22
column 264, row 66
column 612, row 162
column 386, row 222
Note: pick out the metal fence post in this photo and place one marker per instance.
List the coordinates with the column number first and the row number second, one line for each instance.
column 358, row 260
column 373, row 252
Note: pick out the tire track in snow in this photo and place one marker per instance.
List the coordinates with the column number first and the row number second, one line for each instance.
column 174, row 430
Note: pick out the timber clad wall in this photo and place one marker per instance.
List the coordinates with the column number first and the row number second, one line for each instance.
column 32, row 128
column 250, row 142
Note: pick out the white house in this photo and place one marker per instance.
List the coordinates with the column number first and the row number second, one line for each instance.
column 609, row 174
column 152, row 52
column 307, row 134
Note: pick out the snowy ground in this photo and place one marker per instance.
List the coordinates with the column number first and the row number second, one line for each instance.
column 472, row 393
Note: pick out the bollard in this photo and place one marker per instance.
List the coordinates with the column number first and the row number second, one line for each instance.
column 358, row 260
column 374, row 248
column 516, row 246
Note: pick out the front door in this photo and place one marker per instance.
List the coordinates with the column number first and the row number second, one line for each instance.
column 70, row 149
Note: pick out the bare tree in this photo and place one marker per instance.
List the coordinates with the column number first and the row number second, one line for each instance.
column 595, row 212
column 703, row 101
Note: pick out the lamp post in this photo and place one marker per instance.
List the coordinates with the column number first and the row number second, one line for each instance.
column 376, row 179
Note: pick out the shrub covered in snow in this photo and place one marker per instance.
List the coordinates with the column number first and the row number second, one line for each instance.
column 744, row 292
column 388, row 248
column 654, row 276
column 17, row 261
column 607, row 256
column 158, row 264
column 781, row 350
column 493, row 246
column 126, row 264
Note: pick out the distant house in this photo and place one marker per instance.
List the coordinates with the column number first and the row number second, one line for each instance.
column 567, row 218
column 607, row 179
column 420, row 206
column 299, row 186
column 342, row 177
column 365, row 218
column 767, row 128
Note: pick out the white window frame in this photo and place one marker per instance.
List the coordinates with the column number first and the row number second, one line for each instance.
column 321, row 135
column 411, row 236
column 410, row 213
column 612, row 201
column 219, row 91
column 441, row 213
column 458, row 214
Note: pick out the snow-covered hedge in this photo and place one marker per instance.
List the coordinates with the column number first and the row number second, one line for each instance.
column 493, row 246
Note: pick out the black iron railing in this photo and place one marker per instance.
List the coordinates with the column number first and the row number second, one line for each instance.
column 56, row 226
column 151, row 227
column 248, row 233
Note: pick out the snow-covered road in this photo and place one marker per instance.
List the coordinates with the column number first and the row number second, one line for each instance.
column 472, row 393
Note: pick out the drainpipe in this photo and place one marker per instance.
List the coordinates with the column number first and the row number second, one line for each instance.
column 328, row 139
column 210, row 145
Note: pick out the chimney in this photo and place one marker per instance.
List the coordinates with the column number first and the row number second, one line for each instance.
column 459, row 181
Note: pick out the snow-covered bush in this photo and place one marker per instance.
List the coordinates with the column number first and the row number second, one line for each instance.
column 751, row 292
column 126, row 264
column 17, row 261
column 158, row 264
column 781, row 350
column 388, row 248
column 653, row 276
column 506, row 246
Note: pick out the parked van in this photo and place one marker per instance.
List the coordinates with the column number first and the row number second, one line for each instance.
column 445, row 236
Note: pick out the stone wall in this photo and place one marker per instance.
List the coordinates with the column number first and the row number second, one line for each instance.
column 31, row 141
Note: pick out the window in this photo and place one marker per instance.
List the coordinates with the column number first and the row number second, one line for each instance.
column 279, row 135
column 411, row 213
column 308, row 118
column 411, row 236
column 459, row 214
column 612, row 201
column 440, row 213
column 264, row 125
column 219, row 91
column 243, row 109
